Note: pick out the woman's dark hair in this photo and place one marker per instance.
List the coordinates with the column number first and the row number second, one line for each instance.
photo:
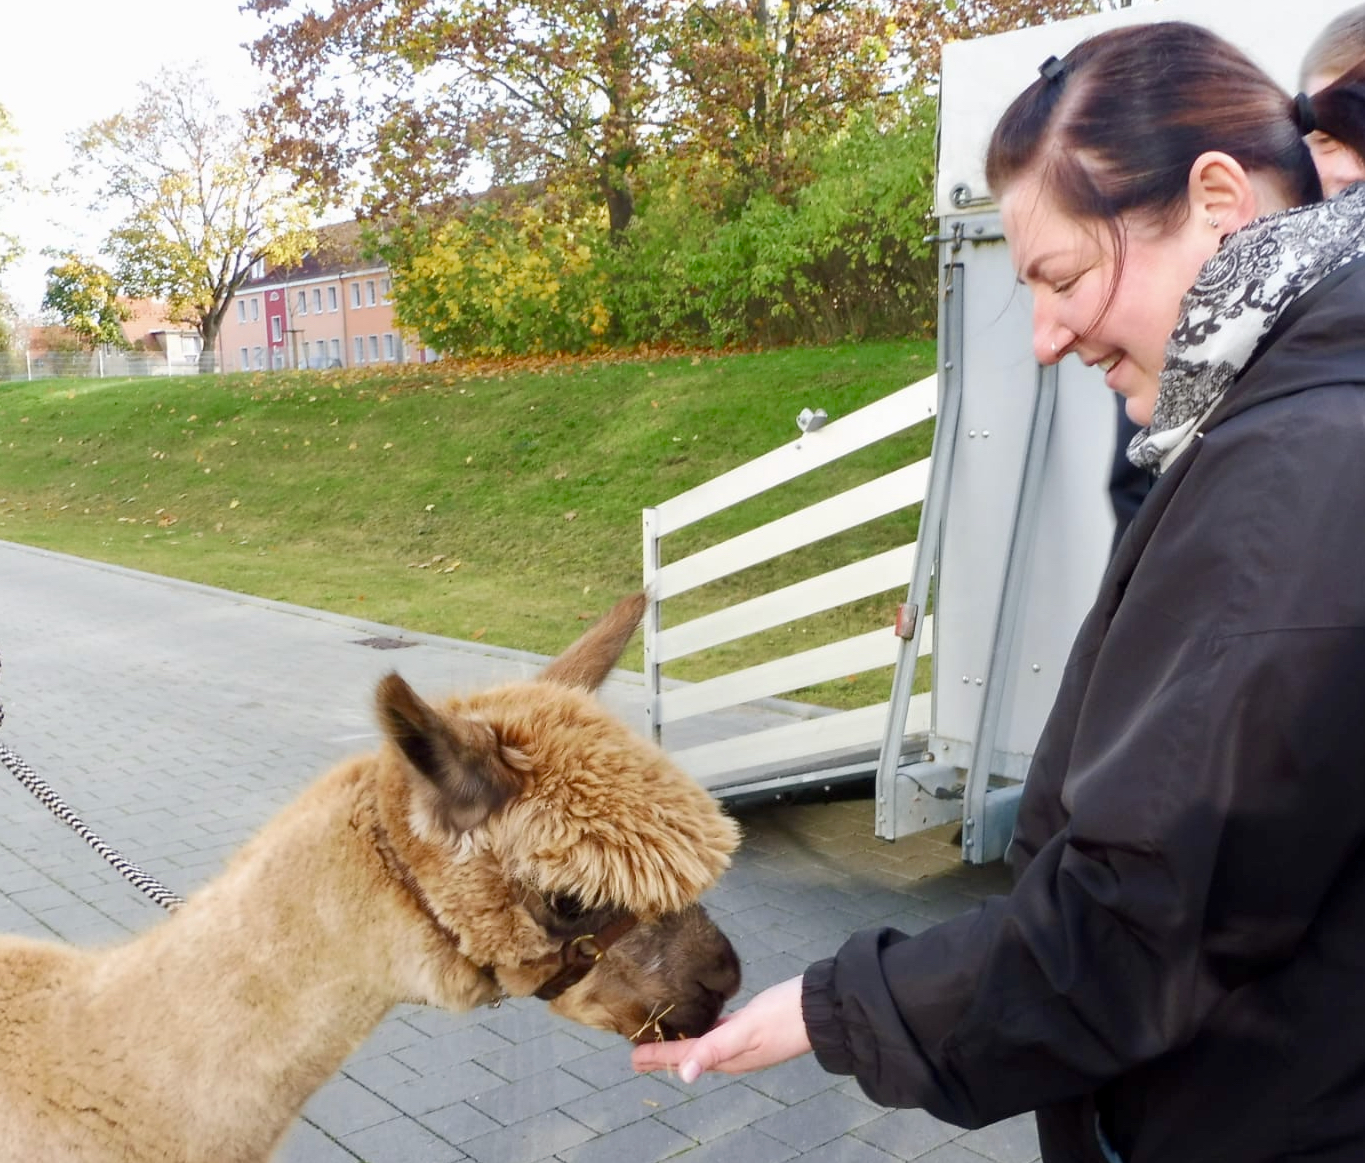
column 1116, row 130
column 1339, row 109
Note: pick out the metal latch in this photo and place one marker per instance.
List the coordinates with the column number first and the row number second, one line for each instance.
column 907, row 619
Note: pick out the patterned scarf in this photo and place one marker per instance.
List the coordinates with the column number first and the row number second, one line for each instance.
column 1240, row 293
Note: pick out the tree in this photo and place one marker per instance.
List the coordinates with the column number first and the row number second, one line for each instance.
column 9, row 324
column 419, row 99
column 10, row 183
column 200, row 206
column 763, row 83
column 430, row 97
column 927, row 26
column 84, row 297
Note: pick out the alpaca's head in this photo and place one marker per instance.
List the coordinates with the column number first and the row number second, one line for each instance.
column 541, row 832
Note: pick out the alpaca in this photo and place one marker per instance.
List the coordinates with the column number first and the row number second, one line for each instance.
column 517, row 842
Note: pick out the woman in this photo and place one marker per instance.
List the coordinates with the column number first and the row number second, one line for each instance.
column 1338, row 48
column 1177, row 973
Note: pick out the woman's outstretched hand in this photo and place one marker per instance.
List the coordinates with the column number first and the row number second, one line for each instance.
column 765, row 1032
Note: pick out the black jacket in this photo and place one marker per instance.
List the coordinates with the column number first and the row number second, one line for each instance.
column 1184, row 949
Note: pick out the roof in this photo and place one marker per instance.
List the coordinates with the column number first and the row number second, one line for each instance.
column 337, row 252
column 146, row 317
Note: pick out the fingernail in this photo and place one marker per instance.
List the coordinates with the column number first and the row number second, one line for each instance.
column 689, row 1072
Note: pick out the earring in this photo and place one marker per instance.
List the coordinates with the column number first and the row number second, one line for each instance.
column 1213, row 222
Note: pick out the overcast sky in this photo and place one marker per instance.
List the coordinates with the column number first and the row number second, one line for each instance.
column 72, row 62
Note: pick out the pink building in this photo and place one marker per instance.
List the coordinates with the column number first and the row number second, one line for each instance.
column 332, row 310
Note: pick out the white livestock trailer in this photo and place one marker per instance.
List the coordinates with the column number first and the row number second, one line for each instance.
column 1015, row 524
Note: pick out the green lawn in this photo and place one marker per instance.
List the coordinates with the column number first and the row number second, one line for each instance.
column 502, row 506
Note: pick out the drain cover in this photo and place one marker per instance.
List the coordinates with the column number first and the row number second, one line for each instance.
column 384, row 643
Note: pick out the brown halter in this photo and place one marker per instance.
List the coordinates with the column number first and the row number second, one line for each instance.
column 575, row 958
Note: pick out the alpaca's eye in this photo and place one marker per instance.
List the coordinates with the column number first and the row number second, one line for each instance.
column 566, row 906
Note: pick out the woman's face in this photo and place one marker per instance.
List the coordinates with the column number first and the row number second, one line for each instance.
column 1116, row 317
column 1338, row 165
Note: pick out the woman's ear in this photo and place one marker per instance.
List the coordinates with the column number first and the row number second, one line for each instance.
column 1222, row 194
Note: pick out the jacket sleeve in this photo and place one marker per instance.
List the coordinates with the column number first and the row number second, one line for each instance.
column 1210, row 790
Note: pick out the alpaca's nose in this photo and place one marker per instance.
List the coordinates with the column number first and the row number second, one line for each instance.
column 722, row 976
column 716, row 982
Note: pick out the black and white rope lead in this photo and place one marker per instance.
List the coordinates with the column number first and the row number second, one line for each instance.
column 39, row 787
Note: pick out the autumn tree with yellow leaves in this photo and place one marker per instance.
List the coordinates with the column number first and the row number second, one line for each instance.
column 198, row 204
column 583, row 119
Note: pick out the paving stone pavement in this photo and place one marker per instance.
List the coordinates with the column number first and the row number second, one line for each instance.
column 178, row 718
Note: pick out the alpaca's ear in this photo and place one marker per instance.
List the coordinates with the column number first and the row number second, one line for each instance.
column 473, row 774
column 589, row 660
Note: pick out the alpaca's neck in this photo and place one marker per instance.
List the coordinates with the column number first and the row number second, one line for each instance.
column 234, row 1011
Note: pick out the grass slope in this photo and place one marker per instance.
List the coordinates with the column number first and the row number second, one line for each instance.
column 493, row 504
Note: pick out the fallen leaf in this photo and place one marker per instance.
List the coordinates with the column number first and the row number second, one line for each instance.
column 571, row 515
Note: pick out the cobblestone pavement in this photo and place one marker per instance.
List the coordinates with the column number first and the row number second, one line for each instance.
column 178, row 718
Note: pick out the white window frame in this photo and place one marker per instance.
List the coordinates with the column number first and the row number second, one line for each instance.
column 333, row 300
column 370, row 299
column 359, row 350
column 355, row 294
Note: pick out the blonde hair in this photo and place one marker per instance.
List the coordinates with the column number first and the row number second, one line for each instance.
column 1336, row 48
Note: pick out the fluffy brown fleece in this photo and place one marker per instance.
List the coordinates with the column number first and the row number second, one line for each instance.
column 449, row 868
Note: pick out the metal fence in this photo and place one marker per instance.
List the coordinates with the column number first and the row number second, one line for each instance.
column 800, row 751
column 98, row 365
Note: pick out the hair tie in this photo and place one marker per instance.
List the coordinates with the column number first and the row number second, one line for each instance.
column 1304, row 118
column 1052, row 70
